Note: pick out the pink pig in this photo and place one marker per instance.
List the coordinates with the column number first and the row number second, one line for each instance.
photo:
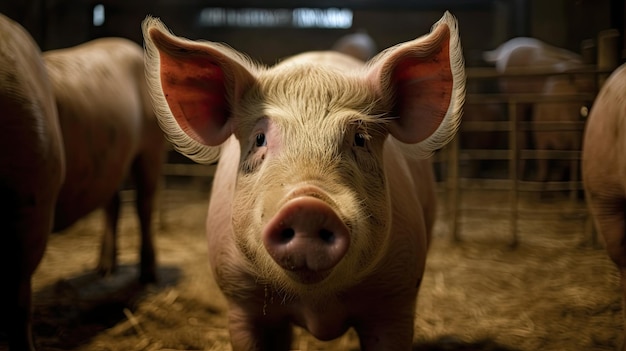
column 604, row 172
column 323, row 202
column 32, row 168
column 110, row 132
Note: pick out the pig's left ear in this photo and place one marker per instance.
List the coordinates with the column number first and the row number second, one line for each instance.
column 423, row 83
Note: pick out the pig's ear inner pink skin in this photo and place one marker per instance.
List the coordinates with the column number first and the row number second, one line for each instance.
column 195, row 90
column 194, row 86
column 423, row 82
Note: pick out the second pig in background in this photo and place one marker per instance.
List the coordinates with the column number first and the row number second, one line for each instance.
column 110, row 133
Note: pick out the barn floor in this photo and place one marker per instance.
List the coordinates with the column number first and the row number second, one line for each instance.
column 549, row 293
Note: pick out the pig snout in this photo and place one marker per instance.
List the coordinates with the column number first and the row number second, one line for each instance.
column 307, row 238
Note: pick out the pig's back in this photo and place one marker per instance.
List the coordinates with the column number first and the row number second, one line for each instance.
column 326, row 58
column 100, row 77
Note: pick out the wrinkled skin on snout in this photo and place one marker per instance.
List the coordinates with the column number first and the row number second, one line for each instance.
column 604, row 168
column 31, row 173
column 110, row 133
column 322, row 204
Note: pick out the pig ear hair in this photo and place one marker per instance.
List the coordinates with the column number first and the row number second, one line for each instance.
column 194, row 86
column 423, row 83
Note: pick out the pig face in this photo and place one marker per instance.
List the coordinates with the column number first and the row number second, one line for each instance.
column 311, row 202
column 328, row 149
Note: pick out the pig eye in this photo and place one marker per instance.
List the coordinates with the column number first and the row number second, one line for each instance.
column 260, row 140
column 359, row 140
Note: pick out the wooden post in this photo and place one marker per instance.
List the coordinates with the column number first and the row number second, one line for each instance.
column 574, row 180
column 588, row 49
column 608, row 55
column 514, row 160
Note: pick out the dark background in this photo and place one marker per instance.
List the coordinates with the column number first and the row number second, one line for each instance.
column 484, row 24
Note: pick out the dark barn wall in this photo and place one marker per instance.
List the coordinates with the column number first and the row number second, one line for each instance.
column 270, row 44
column 69, row 22
column 566, row 23
column 386, row 26
column 29, row 13
column 484, row 23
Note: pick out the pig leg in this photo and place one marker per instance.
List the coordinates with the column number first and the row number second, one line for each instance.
column 249, row 334
column 20, row 329
column 17, row 295
column 20, row 325
column 108, row 249
column 609, row 218
column 612, row 229
column 27, row 222
column 147, row 171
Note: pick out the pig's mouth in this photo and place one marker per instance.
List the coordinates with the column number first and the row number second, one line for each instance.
column 307, row 276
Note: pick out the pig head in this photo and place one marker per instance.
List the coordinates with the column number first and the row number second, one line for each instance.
column 31, row 173
column 322, row 204
column 110, row 134
column 604, row 169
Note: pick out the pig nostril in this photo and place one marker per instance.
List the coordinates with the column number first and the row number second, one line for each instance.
column 307, row 238
column 286, row 235
column 327, row 236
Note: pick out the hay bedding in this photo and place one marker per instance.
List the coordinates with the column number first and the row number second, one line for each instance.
column 550, row 293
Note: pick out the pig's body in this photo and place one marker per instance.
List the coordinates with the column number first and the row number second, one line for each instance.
column 604, row 168
column 110, row 132
column 321, row 209
column 533, row 55
column 31, row 173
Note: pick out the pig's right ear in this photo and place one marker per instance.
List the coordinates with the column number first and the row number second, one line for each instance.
column 194, row 86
